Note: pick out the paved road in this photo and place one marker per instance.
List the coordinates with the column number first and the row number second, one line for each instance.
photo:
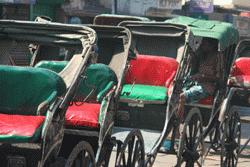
column 213, row 159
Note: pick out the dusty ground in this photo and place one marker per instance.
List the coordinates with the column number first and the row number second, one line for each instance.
column 213, row 159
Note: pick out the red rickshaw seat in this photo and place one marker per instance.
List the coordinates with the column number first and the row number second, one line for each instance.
column 152, row 70
column 85, row 114
column 240, row 74
column 20, row 128
column 241, row 67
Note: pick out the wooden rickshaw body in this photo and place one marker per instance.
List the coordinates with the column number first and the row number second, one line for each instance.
column 91, row 120
column 43, row 149
column 153, row 43
column 235, row 108
column 144, row 43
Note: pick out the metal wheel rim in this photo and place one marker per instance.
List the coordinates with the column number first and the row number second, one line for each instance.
column 231, row 135
column 132, row 152
column 191, row 141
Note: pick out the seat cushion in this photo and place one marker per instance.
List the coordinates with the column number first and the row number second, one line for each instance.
column 83, row 115
column 99, row 77
column 23, row 89
column 144, row 93
column 20, row 128
column 241, row 67
column 152, row 70
column 56, row 66
column 240, row 74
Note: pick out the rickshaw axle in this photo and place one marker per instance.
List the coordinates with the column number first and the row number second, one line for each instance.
column 230, row 146
column 190, row 155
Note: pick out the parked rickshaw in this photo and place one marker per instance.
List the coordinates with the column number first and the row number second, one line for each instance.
column 206, row 112
column 145, row 105
column 142, row 120
column 235, row 106
column 114, row 19
column 90, row 117
column 34, row 100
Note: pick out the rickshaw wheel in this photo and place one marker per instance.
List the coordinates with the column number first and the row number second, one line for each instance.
column 230, row 139
column 190, row 150
column 132, row 151
column 82, row 155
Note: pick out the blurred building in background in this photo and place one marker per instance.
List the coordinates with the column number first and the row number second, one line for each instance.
column 83, row 11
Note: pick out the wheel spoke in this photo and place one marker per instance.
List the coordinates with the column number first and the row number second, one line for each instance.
column 199, row 164
column 190, row 134
column 190, row 148
column 136, row 153
column 130, row 150
column 196, row 128
column 124, row 160
column 232, row 160
column 233, row 128
column 83, row 158
column 189, row 164
column 231, row 136
column 135, row 146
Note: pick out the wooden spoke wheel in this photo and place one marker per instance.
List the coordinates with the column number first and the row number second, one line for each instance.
column 190, row 150
column 131, row 153
column 230, row 140
column 81, row 156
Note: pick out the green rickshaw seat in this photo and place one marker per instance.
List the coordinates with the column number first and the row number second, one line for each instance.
column 56, row 66
column 26, row 94
column 148, row 79
column 100, row 79
column 146, row 93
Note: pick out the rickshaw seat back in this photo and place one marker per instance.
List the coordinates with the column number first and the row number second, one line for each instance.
column 23, row 89
column 99, row 77
column 152, row 70
column 56, row 66
column 148, row 78
column 240, row 74
column 241, row 66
